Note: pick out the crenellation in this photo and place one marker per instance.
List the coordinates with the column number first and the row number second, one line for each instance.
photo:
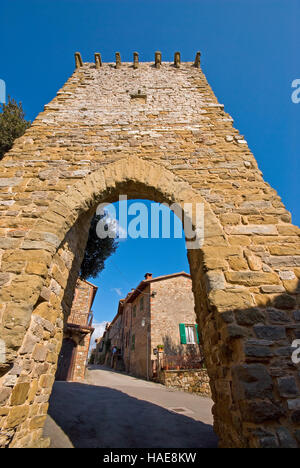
column 177, row 60
column 157, row 59
column 78, row 60
column 98, row 62
column 197, row 60
column 118, row 60
column 135, row 60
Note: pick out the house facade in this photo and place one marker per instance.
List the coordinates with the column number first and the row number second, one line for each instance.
column 102, row 346
column 77, row 334
column 156, row 326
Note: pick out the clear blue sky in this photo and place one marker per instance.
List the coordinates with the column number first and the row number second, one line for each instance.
column 250, row 55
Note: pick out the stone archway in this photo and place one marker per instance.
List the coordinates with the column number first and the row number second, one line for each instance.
column 244, row 276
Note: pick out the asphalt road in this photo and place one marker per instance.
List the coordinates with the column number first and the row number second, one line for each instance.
column 114, row 410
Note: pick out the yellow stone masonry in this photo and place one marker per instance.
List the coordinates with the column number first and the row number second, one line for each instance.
column 155, row 132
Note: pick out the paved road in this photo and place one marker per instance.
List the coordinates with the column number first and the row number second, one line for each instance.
column 114, row 410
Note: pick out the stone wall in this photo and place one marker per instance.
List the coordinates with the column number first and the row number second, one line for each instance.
column 82, row 303
column 189, row 380
column 172, row 304
column 79, row 327
column 172, row 142
column 82, row 351
column 136, row 358
column 26, row 387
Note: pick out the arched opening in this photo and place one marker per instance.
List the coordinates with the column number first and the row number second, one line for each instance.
column 69, row 217
column 246, row 406
column 159, row 312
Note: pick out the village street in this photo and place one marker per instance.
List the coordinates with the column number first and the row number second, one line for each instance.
column 114, row 410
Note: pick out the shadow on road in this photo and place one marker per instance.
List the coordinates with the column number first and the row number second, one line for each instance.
column 101, row 417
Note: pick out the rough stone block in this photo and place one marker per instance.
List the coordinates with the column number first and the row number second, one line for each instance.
column 215, row 280
column 277, row 316
column 16, row 416
column 251, row 381
column 259, row 411
column 19, row 394
column 250, row 316
column 270, row 332
column 229, row 300
column 37, row 422
column 253, row 229
column 287, row 387
column 251, row 278
column 286, row 439
column 4, row 394
column 284, row 301
column 40, row 352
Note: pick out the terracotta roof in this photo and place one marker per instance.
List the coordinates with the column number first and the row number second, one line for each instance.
column 160, row 278
column 143, row 284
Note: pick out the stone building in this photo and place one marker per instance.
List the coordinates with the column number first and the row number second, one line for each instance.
column 152, row 130
column 114, row 357
column 73, row 356
column 156, row 326
column 102, row 346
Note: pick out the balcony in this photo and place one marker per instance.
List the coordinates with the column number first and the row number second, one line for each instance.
column 80, row 320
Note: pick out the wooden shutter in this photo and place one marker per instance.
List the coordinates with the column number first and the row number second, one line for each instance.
column 182, row 333
column 197, row 335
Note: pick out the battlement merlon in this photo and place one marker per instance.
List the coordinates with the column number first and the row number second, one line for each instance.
column 135, row 63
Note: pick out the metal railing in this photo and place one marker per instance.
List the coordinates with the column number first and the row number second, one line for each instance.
column 82, row 319
column 181, row 362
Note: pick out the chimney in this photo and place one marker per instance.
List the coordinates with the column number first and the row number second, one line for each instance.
column 148, row 276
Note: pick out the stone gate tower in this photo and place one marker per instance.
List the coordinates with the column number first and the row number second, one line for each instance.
column 152, row 130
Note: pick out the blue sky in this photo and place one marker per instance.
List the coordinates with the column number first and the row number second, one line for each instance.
column 250, row 55
column 135, row 257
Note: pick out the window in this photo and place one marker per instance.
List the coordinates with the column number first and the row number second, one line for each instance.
column 188, row 333
column 133, row 342
column 134, row 311
column 141, row 304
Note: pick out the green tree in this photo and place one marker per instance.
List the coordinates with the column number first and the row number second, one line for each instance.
column 97, row 249
column 12, row 124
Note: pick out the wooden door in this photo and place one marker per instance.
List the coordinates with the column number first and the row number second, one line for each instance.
column 66, row 360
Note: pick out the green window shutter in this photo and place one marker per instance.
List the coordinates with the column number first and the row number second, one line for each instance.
column 182, row 333
column 133, row 342
column 197, row 335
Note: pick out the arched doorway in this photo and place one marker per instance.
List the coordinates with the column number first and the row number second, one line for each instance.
column 65, row 361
